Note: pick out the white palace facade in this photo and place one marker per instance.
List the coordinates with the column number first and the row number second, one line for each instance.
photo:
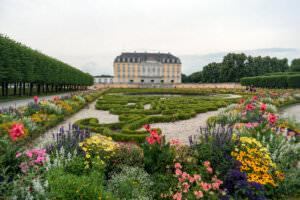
column 147, row 68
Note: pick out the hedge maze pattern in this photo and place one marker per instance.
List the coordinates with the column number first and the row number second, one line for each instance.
column 133, row 116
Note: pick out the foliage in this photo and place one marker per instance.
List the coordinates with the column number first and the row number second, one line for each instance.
column 131, row 183
column 236, row 66
column 69, row 186
column 156, row 152
column 216, row 145
column 21, row 64
column 273, row 81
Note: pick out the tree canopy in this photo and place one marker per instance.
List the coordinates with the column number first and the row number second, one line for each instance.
column 235, row 66
column 19, row 63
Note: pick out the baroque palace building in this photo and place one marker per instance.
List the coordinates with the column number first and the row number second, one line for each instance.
column 147, row 68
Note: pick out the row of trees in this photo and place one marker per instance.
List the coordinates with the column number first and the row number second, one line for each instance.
column 22, row 67
column 235, row 66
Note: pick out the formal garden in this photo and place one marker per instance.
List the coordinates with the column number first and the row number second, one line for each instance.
column 246, row 151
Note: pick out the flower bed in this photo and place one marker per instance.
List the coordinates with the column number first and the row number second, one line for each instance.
column 247, row 152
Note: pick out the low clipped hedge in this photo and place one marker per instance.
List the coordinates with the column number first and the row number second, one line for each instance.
column 294, row 81
column 273, row 81
column 132, row 115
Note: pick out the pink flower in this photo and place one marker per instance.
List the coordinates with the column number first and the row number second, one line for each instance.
column 209, row 169
column 29, row 154
column 249, row 125
column 147, row 127
column 178, row 172
column 184, row 175
column 185, row 187
column 242, row 101
column 216, row 185
column 191, row 179
column 255, row 124
column 263, row 108
column 206, row 163
column 35, row 98
column 178, row 165
column 291, row 133
column 177, row 196
column 197, row 177
column 263, row 130
column 254, row 98
column 205, row 186
column 198, row 194
column 18, row 155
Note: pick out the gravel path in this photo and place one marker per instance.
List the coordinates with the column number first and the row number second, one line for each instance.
column 23, row 102
column 181, row 130
column 292, row 112
column 90, row 111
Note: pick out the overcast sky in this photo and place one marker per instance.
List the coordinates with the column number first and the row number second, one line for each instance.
column 89, row 34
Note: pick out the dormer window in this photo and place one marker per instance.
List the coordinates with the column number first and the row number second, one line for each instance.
column 123, row 59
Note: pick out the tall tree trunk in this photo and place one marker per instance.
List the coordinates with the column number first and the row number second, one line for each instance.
column 6, row 86
column 24, row 89
column 15, row 89
column 31, row 88
column 20, row 89
column 38, row 89
column 2, row 87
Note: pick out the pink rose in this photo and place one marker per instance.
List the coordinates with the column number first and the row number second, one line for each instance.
column 178, row 165
column 206, row 163
column 177, row 196
column 18, row 155
column 209, row 169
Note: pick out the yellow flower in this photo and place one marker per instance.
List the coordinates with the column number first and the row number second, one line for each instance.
column 134, row 182
column 99, row 197
column 77, row 191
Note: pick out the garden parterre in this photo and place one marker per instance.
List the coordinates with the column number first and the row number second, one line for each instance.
column 133, row 116
column 253, row 155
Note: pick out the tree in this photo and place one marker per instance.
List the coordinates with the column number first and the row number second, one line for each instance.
column 295, row 66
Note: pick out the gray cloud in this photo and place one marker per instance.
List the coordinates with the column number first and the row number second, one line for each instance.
column 89, row 34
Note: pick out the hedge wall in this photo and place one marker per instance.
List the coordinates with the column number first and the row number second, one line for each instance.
column 274, row 81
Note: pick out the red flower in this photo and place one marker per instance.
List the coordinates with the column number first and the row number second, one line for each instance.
column 272, row 118
column 37, row 133
column 255, row 98
column 16, row 131
column 30, row 189
column 263, row 107
column 35, row 98
column 250, row 107
column 294, row 165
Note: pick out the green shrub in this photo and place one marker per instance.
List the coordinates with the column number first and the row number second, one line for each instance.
column 69, row 186
column 131, row 183
column 294, row 81
column 273, row 81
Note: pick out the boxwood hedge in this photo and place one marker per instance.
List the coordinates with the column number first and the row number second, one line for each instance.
column 132, row 115
column 273, row 81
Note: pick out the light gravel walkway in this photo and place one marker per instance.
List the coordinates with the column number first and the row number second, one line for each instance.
column 291, row 111
column 24, row 102
column 147, row 106
column 90, row 111
column 181, row 130
column 232, row 96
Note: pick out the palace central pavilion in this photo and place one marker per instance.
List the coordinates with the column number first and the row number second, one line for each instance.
column 147, row 68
